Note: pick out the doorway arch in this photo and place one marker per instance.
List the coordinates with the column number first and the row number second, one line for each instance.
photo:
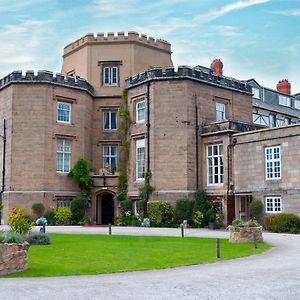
column 105, row 209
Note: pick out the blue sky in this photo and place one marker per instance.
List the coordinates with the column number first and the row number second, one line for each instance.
column 254, row 38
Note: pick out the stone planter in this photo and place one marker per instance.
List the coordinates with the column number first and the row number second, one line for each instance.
column 13, row 258
column 245, row 234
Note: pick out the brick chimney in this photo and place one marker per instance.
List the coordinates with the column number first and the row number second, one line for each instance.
column 217, row 66
column 283, row 86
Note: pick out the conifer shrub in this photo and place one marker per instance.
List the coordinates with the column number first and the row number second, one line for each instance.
column 126, row 206
column 184, row 210
column 78, row 206
column 38, row 209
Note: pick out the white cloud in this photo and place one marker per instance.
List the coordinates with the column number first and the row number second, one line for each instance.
column 291, row 12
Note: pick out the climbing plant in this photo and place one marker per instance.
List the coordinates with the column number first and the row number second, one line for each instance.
column 123, row 128
column 146, row 189
column 80, row 174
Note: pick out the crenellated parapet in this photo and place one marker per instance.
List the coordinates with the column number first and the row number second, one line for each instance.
column 46, row 77
column 120, row 37
column 204, row 75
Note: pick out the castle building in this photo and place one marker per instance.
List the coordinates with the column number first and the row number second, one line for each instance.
column 192, row 127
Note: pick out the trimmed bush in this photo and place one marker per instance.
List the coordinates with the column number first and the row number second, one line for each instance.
column 160, row 213
column 50, row 216
column 38, row 209
column 39, row 238
column 283, row 222
column 202, row 204
column 184, row 210
column 78, row 206
column 126, row 206
column 127, row 221
column 63, row 216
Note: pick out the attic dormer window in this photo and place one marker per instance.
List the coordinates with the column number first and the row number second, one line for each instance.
column 285, row 101
column 255, row 92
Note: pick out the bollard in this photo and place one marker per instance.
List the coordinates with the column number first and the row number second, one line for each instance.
column 254, row 240
column 109, row 229
column 218, row 248
column 182, row 230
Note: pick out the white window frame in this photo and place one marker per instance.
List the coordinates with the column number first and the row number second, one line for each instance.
column 297, row 104
column 66, row 151
column 255, row 92
column 284, row 100
column 69, row 112
column 110, row 156
column 273, row 161
column 139, row 162
column 111, row 80
column 220, row 109
column 109, row 113
column 212, row 167
column 273, row 204
column 138, row 109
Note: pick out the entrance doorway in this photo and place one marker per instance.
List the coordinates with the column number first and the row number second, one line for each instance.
column 244, row 207
column 105, row 211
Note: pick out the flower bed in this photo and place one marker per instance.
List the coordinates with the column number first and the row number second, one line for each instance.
column 13, row 257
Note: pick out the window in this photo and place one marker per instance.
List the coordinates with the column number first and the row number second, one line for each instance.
column 273, row 204
column 63, row 203
column 63, row 112
column 215, row 167
column 140, row 159
column 297, row 104
column 220, row 111
column 273, row 162
column 140, row 111
column 260, row 119
column 255, row 92
column 110, row 158
column 111, row 76
column 272, row 119
column 287, row 121
column 110, row 120
column 63, row 156
column 285, row 101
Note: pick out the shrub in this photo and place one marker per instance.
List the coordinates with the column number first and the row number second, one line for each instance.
column 141, row 207
column 50, row 216
column 126, row 206
column 10, row 238
column 160, row 213
column 198, row 219
column 63, row 216
column 256, row 209
column 211, row 215
column 184, row 210
column 127, row 221
column 78, row 206
column 283, row 222
column 17, row 220
column 38, row 209
column 39, row 238
column 241, row 223
column 201, row 204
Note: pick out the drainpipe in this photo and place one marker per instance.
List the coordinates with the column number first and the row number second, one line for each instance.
column 3, row 164
column 197, row 144
column 148, row 127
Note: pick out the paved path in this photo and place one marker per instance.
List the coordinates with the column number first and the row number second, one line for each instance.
column 272, row 275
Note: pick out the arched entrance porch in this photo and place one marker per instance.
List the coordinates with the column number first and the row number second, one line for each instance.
column 105, row 208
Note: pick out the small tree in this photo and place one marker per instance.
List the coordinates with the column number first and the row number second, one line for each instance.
column 256, row 210
column 78, row 206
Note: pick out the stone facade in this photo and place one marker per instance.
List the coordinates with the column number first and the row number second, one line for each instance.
column 185, row 112
column 13, row 258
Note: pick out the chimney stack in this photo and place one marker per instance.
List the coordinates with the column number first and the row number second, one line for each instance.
column 283, row 86
column 217, row 66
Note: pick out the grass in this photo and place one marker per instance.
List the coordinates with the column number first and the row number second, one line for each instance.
column 71, row 254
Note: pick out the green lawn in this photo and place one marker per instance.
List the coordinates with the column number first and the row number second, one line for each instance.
column 96, row 254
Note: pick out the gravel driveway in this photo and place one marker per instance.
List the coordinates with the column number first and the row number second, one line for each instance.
column 272, row 275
